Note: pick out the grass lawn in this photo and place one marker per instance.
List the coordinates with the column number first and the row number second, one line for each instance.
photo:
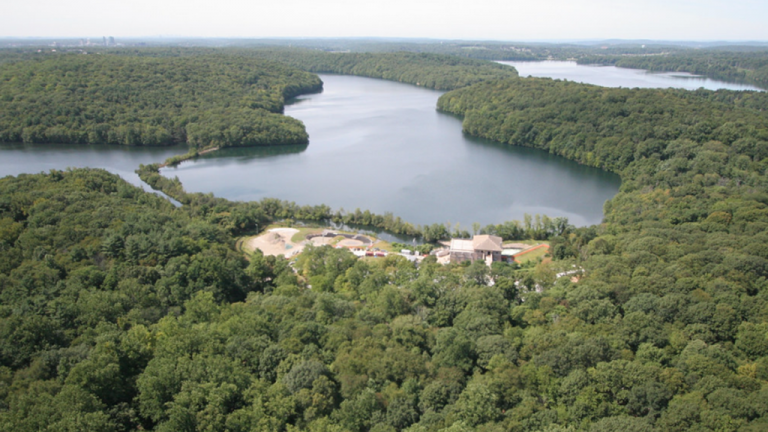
column 528, row 242
column 303, row 232
column 385, row 246
column 533, row 255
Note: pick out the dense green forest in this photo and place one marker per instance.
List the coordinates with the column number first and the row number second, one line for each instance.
column 119, row 311
column 204, row 101
column 436, row 71
column 747, row 66
column 609, row 127
column 440, row 72
column 203, row 97
column 743, row 64
column 122, row 312
column 686, row 232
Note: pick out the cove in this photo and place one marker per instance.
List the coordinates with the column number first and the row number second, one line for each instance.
column 382, row 146
column 18, row 158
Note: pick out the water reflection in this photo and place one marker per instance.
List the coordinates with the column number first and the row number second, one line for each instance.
column 247, row 154
column 18, row 158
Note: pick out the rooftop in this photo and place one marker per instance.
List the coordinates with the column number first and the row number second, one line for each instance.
column 478, row 243
column 462, row 245
column 487, row 243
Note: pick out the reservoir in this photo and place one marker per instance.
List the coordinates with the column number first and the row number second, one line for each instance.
column 382, row 146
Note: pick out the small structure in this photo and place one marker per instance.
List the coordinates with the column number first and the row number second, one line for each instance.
column 508, row 255
column 481, row 247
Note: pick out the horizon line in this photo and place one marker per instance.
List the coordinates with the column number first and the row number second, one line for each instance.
column 400, row 38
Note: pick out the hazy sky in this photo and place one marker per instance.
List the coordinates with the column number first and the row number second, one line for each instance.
column 440, row 19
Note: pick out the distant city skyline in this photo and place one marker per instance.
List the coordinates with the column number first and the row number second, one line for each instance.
column 514, row 20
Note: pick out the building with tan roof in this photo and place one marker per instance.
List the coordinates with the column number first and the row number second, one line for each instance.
column 480, row 247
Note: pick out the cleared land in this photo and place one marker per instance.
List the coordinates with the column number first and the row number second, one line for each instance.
column 290, row 242
column 276, row 241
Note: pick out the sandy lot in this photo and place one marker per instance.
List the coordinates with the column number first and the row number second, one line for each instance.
column 276, row 241
column 350, row 243
column 319, row 241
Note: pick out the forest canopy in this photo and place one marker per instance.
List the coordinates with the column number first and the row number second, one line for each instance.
column 609, row 127
column 119, row 311
column 204, row 101
column 202, row 97
column 436, row 71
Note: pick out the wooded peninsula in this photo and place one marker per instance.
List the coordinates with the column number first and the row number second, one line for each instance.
column 205, row 101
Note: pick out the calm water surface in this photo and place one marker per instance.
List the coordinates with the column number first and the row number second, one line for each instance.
column 611, row 76
column 382, row 146
column 16, row 159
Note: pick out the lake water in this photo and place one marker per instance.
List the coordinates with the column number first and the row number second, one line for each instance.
column 611, row 76
column 382, row 146
column 16, row 159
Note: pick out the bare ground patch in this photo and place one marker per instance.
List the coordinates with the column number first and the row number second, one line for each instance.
column 276, row 241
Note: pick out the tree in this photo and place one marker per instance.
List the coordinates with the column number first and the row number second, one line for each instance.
column 477, row 405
